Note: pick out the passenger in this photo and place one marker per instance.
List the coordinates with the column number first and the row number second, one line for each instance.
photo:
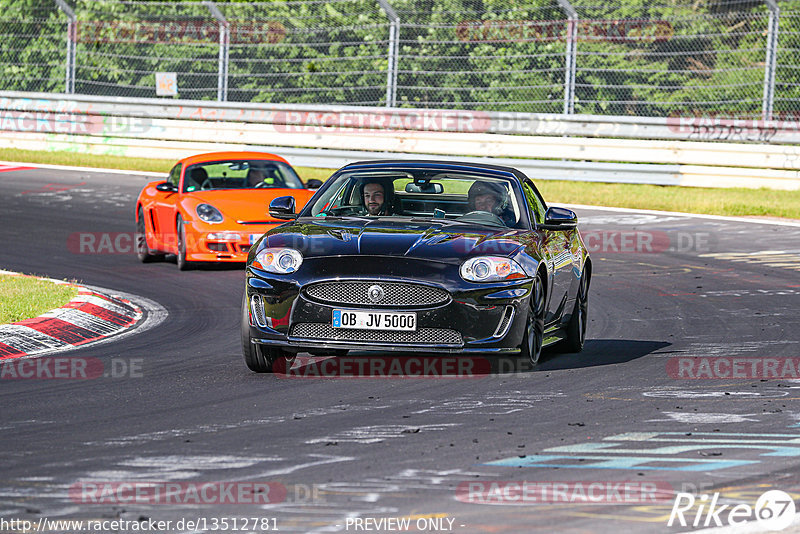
column 490, row 197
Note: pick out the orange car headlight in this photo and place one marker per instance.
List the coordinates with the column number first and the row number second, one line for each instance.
column 208, row 213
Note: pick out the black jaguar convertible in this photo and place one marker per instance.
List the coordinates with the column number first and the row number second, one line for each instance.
column 436, row 257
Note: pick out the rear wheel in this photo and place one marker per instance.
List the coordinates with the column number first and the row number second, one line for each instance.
column 260, row 358
column 576, row 329
column 533, row 339
column 143, row 251
column 180, row 230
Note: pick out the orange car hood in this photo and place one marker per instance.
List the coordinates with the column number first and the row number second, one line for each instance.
column 248, row 204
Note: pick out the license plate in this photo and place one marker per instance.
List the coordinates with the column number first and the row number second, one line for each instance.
column 254, row 238
column 375, row 320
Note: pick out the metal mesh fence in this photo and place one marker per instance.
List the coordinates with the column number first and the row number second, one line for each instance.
column 637, row 57
column 33, row 39
column 787, row 72
column 481, row 55
column 673, row 58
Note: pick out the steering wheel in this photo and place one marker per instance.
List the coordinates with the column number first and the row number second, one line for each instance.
column 261, row 184
column 482, row 217
column 207, row 184
column 346, row 210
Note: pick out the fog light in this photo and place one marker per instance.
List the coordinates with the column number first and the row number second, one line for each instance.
column 223, row 236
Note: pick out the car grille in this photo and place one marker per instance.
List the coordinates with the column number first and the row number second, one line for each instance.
column 395, row 294
column 425, row 336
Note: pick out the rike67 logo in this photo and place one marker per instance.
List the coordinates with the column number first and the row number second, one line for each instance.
column 774, row 510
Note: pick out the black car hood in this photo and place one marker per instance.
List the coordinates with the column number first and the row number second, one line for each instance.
column 423, row 238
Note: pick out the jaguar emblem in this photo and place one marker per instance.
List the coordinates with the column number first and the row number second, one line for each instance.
column 375, row 293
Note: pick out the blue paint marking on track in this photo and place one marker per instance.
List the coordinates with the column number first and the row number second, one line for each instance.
column 624, row 462
column 615, row 452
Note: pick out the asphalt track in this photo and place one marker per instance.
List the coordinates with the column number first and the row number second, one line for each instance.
column 388, row 448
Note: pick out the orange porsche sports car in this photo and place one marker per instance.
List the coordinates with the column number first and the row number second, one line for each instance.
column 214, row 206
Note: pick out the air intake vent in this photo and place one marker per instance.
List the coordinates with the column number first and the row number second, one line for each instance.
column 257, row 307
column 505, row 322
column 423, row 336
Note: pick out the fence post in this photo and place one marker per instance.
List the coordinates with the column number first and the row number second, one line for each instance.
column 394, row 51
column 570, row 60
column 771, row 60
column 224, row 50
column 71, row 37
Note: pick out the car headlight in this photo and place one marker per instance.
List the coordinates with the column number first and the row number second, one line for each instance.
column 490, row 269
column 208, row 213
column 278, row 260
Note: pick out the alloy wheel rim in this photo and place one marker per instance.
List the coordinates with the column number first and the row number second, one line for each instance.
column 181, row 249
column 583, row 308
column 535, row 332
column 141, row 239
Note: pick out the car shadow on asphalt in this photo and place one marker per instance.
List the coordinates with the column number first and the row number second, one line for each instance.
column 597, row 352
column 376, row 364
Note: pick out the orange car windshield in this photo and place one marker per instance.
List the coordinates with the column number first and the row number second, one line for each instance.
column 240, row 174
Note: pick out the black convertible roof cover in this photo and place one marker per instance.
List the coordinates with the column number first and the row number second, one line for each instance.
column 497, row 170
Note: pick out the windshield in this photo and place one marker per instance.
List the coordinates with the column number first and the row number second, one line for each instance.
column 422, row 193
column 240, row 174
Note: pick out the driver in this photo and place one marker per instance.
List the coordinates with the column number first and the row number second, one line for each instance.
column 377, row 197
column 490, row 197
column 255, row 178
column 197, row 177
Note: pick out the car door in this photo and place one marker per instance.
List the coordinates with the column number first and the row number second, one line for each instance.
column 164, row 206
column 555, row 245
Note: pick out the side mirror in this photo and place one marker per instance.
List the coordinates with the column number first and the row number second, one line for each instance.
column 282, row 208
column 166, row 187
column 313, row 184
column 560, row 218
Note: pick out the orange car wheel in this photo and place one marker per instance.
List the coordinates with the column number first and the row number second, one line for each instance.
column 143, row 250
column 180, row 230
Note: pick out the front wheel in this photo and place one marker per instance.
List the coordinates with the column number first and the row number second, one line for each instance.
column 180, row 231
column 533, row 339
column 259, row 358
column 576, row 328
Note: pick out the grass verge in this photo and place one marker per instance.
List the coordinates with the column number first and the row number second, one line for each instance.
column 23, row 297
column 732, row 202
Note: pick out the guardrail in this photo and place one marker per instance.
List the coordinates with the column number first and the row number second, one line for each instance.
column 663, row 151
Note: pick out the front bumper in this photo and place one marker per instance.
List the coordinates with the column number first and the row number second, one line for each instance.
column 202, row 245
column 486, row 317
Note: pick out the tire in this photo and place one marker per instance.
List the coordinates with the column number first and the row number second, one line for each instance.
column 143, row 250
column 180, row 231
column 576, row 328
column 533, row 338
column 258, row 358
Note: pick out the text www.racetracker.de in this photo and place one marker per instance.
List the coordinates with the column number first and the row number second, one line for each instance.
column 232, row 524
